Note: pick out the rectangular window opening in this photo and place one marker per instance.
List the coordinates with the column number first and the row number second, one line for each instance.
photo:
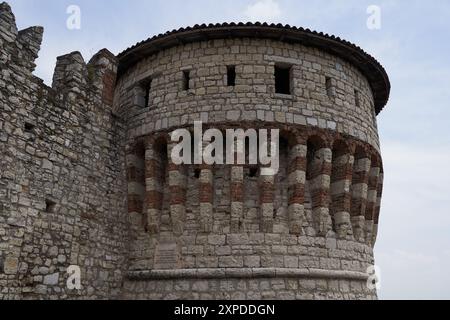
column 29, row 127
column 283, row 79
column 231, row 76
column 186, row 80
column 50, row 206
column 147, row 88
column 329, row 87
column 143, row 93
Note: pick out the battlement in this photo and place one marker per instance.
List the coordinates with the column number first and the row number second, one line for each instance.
column 62, row 176
column 72, row 75
column 21, row 47
column 8, row 25
column 79, row 79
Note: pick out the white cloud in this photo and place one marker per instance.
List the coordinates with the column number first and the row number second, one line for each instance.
column 264, row 11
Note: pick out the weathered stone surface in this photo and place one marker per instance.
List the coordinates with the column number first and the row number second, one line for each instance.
column 52, row 279
column 62, row 175
column 11, row 265
column 86, row 178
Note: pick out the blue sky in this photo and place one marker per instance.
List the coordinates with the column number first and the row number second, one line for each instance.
column 413, row 44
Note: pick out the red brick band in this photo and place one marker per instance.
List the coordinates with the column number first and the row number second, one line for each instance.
column 297, row 180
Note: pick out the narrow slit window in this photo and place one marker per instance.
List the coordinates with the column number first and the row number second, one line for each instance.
column 357, row 98
column 231, row 76
column 329, row 87
column 143, row 93
column 186, row 80
column 283, row 80
column 147, row 88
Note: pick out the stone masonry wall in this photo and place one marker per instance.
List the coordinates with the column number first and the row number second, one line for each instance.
column 253, row 98
column 333, row 238
column 62, row 173
column 86, row 176
column 224, row 232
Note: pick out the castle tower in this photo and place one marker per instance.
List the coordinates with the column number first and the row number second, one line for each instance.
column 226, row 231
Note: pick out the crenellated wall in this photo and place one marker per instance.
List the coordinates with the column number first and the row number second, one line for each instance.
column 62, row 173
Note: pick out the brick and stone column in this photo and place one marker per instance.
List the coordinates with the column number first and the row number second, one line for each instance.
column 360, row 187
column 319, row 179
column 177, row 187
column 377, row 209
column 297, row 180
column 237, row 198
column 237, row 193
column 341, row 181
column 154, row 187
column 136, row 188
column 206, row 185
column 372, row 196
column 267, row 193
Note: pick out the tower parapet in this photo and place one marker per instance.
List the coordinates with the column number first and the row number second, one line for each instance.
column 22, row 46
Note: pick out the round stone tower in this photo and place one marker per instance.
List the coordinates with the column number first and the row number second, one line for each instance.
column 226, row 231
